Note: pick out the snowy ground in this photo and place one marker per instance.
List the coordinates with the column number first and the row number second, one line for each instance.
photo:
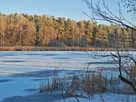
column 107, row 97
column 21, row 73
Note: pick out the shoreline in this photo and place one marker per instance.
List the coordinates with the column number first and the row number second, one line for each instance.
column 30, row 48
column 56, row 96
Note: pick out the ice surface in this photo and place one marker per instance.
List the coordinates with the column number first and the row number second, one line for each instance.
column 25, row 62
column 19, row 62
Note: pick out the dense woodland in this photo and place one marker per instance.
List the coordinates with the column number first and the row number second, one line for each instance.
column 33, row 30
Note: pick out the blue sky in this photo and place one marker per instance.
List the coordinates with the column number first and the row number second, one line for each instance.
column 66, row 8
column 59, row 8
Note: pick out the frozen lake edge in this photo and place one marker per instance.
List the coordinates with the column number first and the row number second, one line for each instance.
column 25, row 67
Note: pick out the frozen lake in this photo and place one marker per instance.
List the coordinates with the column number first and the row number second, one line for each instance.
column 20, row 62
column 12, row 63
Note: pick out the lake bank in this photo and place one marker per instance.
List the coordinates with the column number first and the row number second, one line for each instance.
column 34, row 95
column 30, row 48
column 42, row 97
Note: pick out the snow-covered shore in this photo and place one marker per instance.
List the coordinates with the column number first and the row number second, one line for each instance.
column 46, row 97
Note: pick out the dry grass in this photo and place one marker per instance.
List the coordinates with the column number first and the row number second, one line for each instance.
column 52, row 85
column 93, row 84
column 44, row 48
column 85, row 86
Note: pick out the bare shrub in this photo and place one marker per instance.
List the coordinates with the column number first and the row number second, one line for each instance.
column 75, row 84
column 94, row 83
column 86, row 86
column 132, row 73
column 52, row 85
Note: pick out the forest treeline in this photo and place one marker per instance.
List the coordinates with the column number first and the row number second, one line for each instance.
column 34, row 30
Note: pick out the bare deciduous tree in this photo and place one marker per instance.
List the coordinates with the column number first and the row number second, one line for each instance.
column 127, row 68
column 100, row 11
